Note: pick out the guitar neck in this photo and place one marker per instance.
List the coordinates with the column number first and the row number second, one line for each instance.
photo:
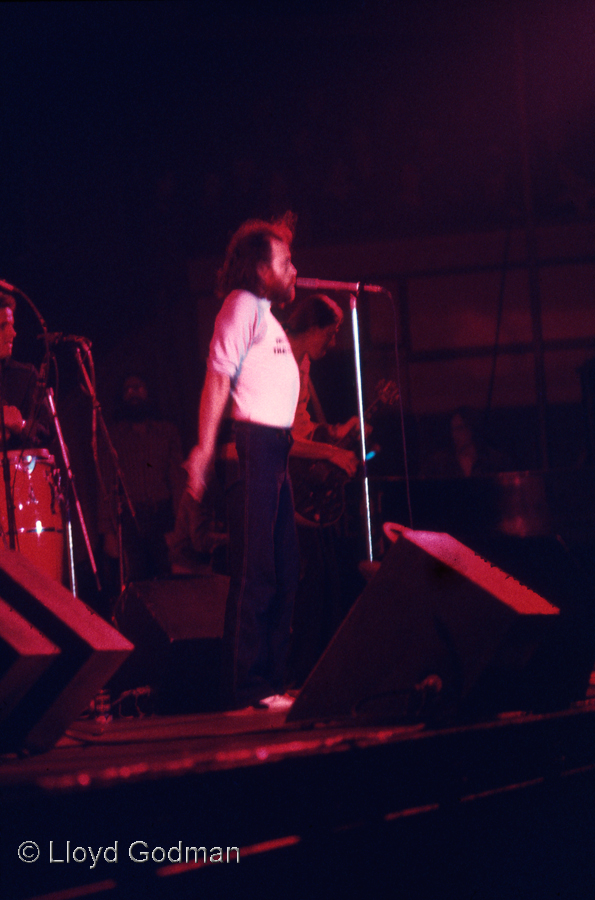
column 350, row 435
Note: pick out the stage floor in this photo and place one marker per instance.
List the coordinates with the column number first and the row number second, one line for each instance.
column 311, row 810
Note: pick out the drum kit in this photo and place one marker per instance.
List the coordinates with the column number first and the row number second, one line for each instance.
column 38, row 510
column 37, row 490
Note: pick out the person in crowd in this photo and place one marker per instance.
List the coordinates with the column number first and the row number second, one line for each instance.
column 468, row 454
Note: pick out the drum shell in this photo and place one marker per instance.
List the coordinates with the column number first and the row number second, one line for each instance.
column 37, row 508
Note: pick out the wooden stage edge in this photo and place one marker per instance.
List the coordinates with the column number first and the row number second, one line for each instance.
column 297, row 803
column 94, row 755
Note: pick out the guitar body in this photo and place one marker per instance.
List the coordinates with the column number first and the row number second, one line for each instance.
column 318, row 485
column 318, row 490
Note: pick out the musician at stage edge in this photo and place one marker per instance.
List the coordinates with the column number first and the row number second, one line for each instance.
column 27, row 419
column 251, row 363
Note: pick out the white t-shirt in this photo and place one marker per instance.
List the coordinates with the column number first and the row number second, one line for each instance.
column 250, row 346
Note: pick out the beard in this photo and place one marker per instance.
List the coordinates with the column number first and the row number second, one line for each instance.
column 281, row 294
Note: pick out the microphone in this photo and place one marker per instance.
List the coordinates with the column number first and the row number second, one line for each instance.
column 317, row 284
column 57, row 337
column 5, row 286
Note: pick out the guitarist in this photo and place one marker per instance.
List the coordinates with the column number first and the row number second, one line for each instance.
column 312, row 329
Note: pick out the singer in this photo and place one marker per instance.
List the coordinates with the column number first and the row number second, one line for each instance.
column 252, row 368
column 25, row 426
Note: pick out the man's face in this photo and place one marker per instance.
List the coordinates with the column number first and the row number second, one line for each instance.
column 135, row 391
column 320, row 340
column 7, row 332
column 278, row 275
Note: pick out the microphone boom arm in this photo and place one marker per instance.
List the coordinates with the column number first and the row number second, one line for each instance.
column 352, row 287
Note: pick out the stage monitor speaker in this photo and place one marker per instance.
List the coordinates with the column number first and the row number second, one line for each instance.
column 55, row 655
column 25, row 654
column 176, row 625
column 439, row 633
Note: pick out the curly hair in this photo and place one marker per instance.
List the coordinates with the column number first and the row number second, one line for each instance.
column 249, row 246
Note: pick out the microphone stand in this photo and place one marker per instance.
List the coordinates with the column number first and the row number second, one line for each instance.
column 121, row 486
column 362, row 425
column 42, row 391
column 71, row 481
column 356, row 290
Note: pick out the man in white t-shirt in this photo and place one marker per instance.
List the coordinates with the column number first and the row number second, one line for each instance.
column 251, row 366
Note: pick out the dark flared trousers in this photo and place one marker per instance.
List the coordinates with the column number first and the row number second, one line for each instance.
column 263, row 565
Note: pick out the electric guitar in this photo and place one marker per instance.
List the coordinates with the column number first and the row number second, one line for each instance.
column 319, row 485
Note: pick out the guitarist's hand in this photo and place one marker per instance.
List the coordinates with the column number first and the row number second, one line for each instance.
column 345, row 460
column 349, row 429
column 340, row 432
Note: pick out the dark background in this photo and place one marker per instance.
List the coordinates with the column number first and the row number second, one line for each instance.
column 136, row 136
